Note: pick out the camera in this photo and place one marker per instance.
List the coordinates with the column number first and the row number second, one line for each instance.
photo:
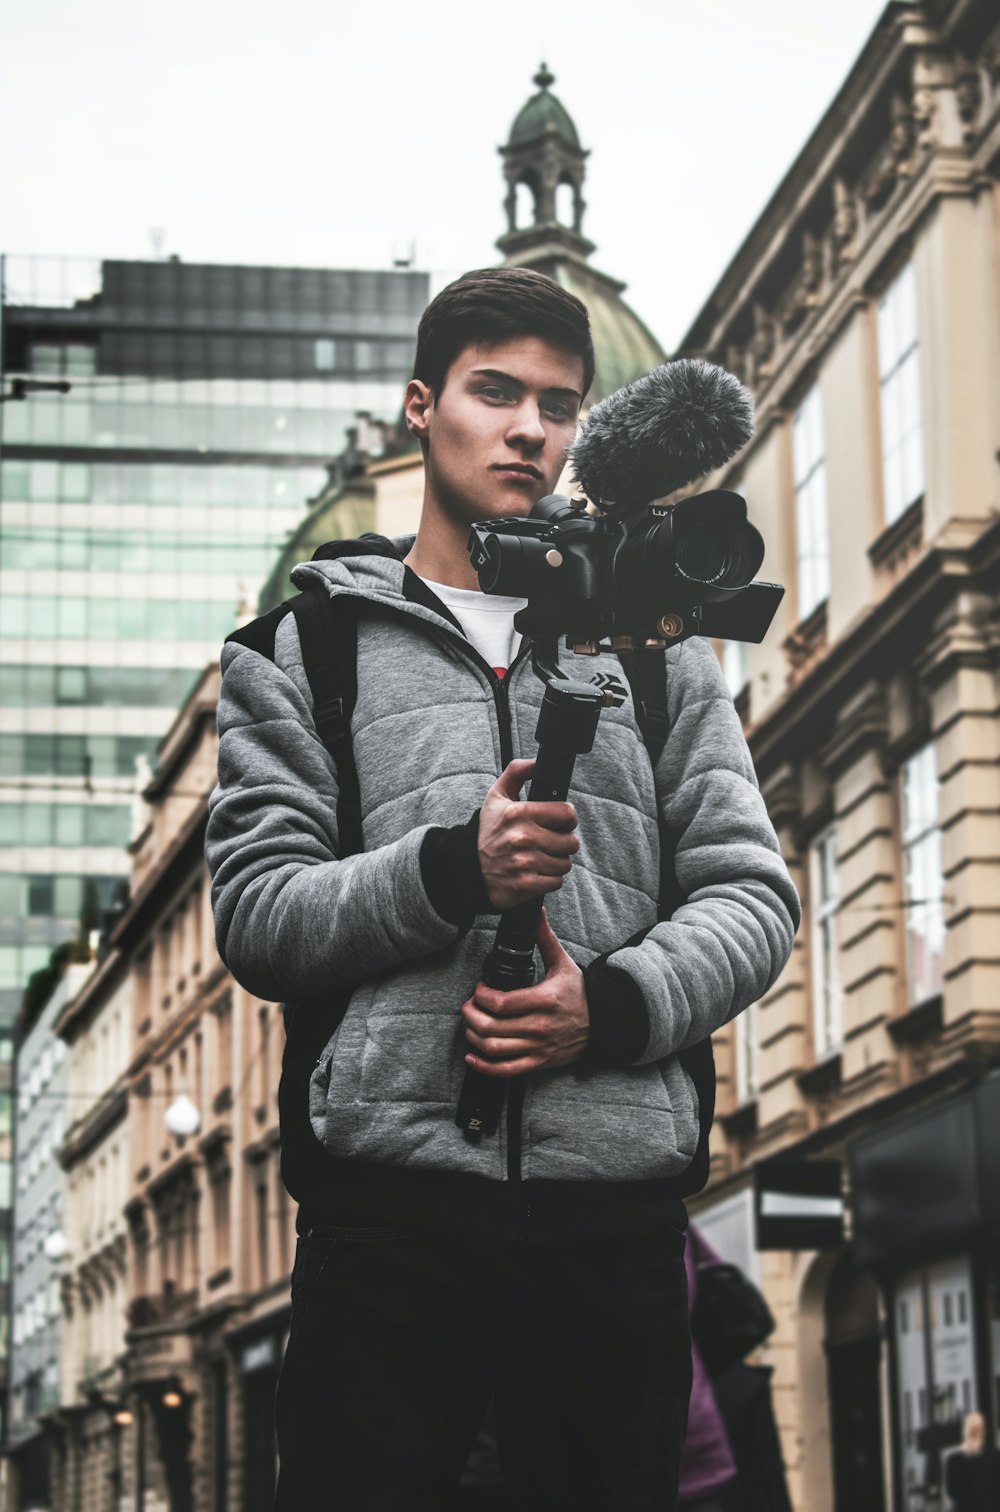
column 610, row 579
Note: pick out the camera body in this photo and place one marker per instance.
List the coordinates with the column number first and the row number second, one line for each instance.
column 624, row 580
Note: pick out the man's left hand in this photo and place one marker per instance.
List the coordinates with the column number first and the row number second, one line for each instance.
column 534, row 1028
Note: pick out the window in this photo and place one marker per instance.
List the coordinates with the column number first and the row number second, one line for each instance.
column 66, row 824
column 325, row 353
column 922, row 880
column 221, row 1193
column 74, row 358
column 747, row 1056
column 263, row 1221
column 825, row 900
column 812, row 547
column 899, row 380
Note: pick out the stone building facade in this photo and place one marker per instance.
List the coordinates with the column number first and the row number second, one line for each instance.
column 210, row 1227
column 88, row 1429
column 863, row 309
column 39, row 1220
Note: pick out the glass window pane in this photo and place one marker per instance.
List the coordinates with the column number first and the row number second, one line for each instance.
column 67, row 897
column 74, row 484
column 72, row 618
column 69, row 824
column 71, row 685
column 14, row 481
column 36, row 824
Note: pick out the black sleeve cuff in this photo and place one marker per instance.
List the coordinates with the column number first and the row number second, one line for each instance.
column 619, row 1018
column 453, row 880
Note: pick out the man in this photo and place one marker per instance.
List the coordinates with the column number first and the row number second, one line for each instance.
column 542, row 1267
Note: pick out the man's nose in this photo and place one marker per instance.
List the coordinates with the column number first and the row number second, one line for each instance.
column 526, row 428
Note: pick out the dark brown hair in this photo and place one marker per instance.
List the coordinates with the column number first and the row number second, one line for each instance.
column 494, row 304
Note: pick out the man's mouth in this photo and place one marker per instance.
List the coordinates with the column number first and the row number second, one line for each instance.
column 518, row 470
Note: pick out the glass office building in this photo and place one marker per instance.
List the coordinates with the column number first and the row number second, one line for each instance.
column 140, row 513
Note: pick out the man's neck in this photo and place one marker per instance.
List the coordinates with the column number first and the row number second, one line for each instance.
column 440, row 553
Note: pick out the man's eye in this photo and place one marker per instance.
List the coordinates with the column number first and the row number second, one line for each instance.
column 490, row 391
column 561, row 411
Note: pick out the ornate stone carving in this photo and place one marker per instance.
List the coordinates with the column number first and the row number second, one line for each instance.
column 932, row 72
column 736, row 362
column 762, row 343
column 845, row 224
column 968, row 94
column 992, row 62
column 804, row 293
column 896, row 159
column 812, row 263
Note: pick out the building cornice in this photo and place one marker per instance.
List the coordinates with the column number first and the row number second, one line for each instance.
column 87, row 1132
column 877, row 643
column 183, row 735
column 776, row 225
column 85, row 1005
column 915, row 121
column 166, row 874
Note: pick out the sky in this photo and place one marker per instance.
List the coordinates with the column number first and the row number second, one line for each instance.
column 307, row 134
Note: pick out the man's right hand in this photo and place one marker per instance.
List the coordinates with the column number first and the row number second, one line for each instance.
column 524, row 848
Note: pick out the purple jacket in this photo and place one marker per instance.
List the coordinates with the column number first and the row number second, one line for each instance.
column 707, row 1463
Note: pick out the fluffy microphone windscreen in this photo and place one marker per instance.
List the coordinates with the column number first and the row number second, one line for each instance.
column 677, row 423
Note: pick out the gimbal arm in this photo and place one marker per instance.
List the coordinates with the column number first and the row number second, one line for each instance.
column 567, row 725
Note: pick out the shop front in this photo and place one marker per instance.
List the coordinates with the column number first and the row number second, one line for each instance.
column 258, row 1351
column 926, row 1200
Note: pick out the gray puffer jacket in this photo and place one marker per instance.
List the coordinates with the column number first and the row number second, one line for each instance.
column 396, row 928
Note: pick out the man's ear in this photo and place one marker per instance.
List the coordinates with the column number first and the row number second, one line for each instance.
column 418, row 407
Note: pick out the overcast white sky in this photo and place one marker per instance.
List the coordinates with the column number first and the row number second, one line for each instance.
column 301, row 133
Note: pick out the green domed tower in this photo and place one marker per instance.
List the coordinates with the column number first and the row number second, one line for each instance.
column 543, row 152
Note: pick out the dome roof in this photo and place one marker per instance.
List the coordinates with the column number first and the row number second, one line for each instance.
column 623, row 346
column 542, row 113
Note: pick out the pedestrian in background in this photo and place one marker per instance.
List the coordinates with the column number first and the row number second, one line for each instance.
column 972, row 1473
column 732, row 1458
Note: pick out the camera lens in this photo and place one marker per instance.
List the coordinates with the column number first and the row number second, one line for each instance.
column 513, row 565
column 701, row 555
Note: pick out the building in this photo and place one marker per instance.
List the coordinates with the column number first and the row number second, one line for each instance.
column 139, row 513
column 210, row 1227
column 39, row 1223
column 544, row 169
column 864, row 310
column 84, row 1424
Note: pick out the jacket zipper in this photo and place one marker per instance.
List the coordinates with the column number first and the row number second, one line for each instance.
column 519, row 1211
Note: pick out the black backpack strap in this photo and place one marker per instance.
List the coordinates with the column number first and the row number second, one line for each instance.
column 259, row 634
column 646, row 672
column 328, row 634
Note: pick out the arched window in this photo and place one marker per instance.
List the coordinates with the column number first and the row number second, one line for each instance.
column 524, row 205
column 566, row 204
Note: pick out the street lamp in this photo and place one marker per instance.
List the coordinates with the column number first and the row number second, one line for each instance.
column 56, row 1245
column 182, row 1117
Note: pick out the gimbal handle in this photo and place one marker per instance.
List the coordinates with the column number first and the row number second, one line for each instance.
column 567, row 725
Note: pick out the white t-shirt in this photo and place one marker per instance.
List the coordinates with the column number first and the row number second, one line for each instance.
column 487, row 619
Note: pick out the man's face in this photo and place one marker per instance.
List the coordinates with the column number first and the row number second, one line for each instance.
column 497, row 433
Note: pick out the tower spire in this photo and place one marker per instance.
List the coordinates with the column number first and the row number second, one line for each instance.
column 543, row 152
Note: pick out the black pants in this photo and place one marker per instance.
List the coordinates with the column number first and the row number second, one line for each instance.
column 399, row 1339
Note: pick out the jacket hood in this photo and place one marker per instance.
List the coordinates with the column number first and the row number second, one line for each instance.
column 372, row 568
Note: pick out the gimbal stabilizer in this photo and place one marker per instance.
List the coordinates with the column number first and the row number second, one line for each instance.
column 627, row 576
column 566, row 729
